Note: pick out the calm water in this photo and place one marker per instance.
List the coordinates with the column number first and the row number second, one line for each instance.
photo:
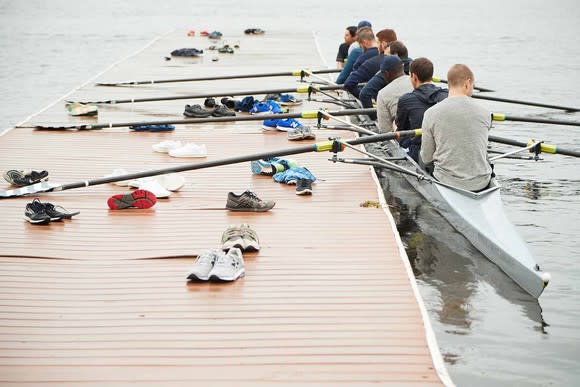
column 490, row 332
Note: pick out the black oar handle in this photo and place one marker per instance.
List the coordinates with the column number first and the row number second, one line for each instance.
column 300, row 89
column 296, row 73
column 330, row 145
column 518, row 102
column 504, row 117
column 545, row 148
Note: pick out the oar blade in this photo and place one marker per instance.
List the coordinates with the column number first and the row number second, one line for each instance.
column 44, row 186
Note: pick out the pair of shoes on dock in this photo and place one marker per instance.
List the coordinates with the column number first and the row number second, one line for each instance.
column 215, row 265
column 22, row 179
column 179, row 149
column 38, row 212
column 196, row 111
column 243, row 237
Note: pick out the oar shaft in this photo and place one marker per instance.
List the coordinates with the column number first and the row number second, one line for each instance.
column 317, row 147
column 300, row 89
column 518, row 102
column 296, row 73
column 191, row 121
column 504, row 117
column 546, row 148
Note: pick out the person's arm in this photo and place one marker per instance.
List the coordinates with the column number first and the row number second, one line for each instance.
column 402, row 119
column 427, row 139
column 347, row 69
column 351, row 83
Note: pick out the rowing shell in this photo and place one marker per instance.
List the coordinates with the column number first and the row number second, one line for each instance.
column 481, row 218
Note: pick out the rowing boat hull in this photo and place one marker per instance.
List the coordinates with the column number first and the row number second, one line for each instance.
column 481, row 218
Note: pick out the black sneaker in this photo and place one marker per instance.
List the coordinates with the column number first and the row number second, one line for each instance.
column 223, row 111
column 21, row 179
column 196, row 111
column 58, row 212
column 35, row 213
column 209, row 103
column 272, row 96
column 248, row 201
column 304, row 187
column 229, row 102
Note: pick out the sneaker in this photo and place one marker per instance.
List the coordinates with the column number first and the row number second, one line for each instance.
column 216, row 35
column 248, row 201
column 254, row 31
column 250, row 238
column 166, row 146
column 21, row 179
column 119, row 172
column 196, row 111
column 274, row 107
column 209, row 103
column 203, row 265
column 79, row 109
column 288, row 123
column 289, row 100
column 223, row 111
column 203, row 33
column 58, row 212
column 245, row 105
column 153, row 186
column 232, row 237
column 136, row 199
column 295, row 134
column 35, row 213
column 304, row 187
column 228, row 267
column 270, row 125
column 272, row 96
column 307, row 133
column 172, row 182
column 229, row 103
column 152, row 128
column 189, row 150
column 270, row 167
column 260, row 108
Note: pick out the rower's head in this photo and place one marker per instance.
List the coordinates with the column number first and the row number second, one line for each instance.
column 399, row 49
column 421, row 71
column 363, row 24
column 366, row 38
column 391, row 67
column 460, row 80
column 385, row 38
column 350, row 35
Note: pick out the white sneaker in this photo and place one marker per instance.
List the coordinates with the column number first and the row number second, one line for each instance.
column 189, row 150
column 172, row 182
column 228, row 267
column 119, row 172
column 166, row 146
column 203, row 265
column 154, row 187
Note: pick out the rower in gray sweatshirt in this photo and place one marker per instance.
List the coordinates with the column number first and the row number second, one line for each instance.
column 455, row 135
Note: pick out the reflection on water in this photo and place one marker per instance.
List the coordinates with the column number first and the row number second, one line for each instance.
column 445, row 261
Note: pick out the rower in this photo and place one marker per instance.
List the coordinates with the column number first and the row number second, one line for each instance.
column 455, row 135
column 342, row 54
column 354, row 51
column 392, row 69
column 412, row 106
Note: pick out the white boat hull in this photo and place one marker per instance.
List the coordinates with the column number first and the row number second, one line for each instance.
column 481, row 218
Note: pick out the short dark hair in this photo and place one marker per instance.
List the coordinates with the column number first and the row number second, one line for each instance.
column 423, row 68
column 399, row 49
column 352, row 31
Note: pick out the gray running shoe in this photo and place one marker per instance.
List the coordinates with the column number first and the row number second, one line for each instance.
column 228, row 267
column 248, row 201
column 250, row 238
column 203, row 265
column 307, row 133
column 304, row 187
column 232, row 237
column 295, row 134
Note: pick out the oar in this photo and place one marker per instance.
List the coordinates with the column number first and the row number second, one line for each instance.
column 519, row 102
column 333, row 145
column 545, row 148
column 191, row 121
column 440, row 80
column 296, row 73
column 300, row 89
column 504, row 117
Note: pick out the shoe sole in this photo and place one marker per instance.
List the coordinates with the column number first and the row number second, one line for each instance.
column 138, row 199
column 249, row 209
column 215, row 278
column 195, row 277
column 269, row 128
column 192, row 115
column 43, row 221
column 304, row 192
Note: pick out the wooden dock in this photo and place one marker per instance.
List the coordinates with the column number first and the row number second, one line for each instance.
column 102, row 299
